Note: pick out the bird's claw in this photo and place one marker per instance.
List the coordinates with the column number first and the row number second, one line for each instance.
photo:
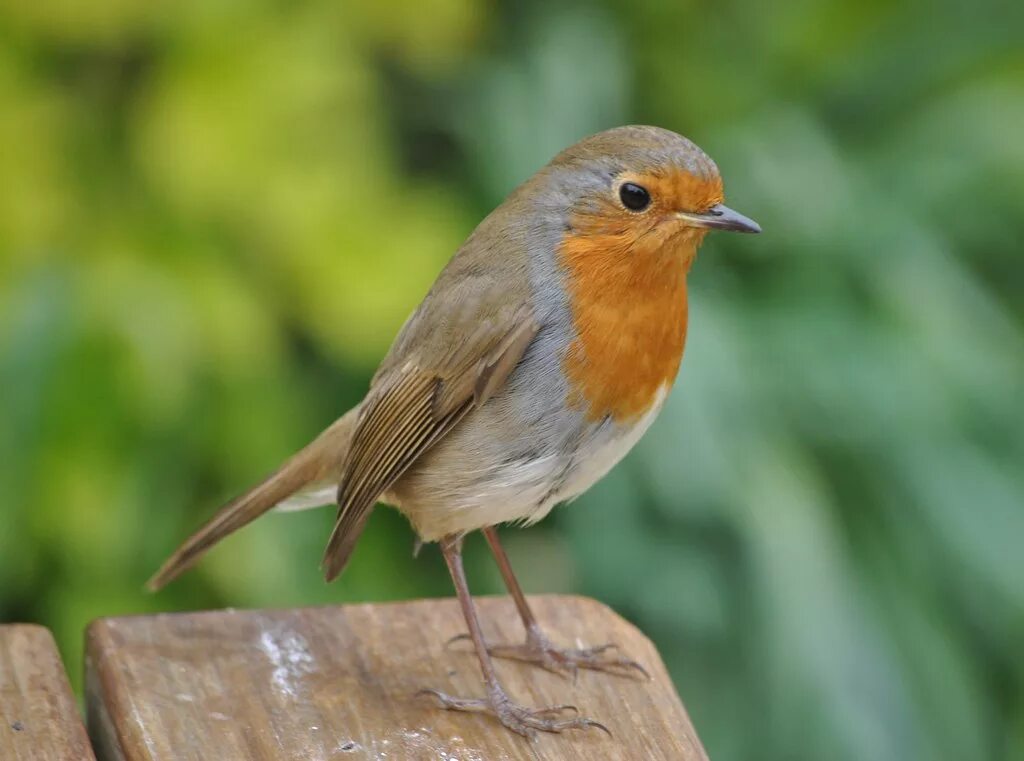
column 571, row 660
column 539, row 651
column 520, row 719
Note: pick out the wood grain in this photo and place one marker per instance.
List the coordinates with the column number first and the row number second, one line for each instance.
column 39, row 719
column 340, row 683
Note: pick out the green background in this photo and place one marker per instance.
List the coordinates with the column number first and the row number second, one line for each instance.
column 215, row 215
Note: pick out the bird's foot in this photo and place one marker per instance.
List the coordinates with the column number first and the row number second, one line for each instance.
column 520, row 719
column 540, row 651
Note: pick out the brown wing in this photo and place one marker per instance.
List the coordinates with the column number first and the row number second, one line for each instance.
column 410, row 408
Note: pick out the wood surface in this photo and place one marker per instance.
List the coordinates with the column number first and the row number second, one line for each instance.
column 340, row 683
column 39, row 719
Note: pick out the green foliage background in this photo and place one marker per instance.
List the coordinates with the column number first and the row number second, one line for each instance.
column 214, row 216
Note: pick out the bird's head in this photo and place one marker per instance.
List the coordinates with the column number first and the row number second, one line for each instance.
column 639, row 190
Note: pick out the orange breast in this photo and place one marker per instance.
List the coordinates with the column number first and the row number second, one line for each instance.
column 628, row 300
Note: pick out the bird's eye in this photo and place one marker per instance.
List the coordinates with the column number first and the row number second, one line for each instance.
column 634, row 197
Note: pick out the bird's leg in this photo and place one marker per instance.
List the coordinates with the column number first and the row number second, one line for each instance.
column 538, row 648
column 525, row 721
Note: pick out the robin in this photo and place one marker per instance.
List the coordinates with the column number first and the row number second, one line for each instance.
column 542, row 353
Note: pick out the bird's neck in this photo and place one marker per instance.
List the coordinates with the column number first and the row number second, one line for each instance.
column 629, row 311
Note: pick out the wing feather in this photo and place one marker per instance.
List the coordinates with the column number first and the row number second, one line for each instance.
column 409, row 410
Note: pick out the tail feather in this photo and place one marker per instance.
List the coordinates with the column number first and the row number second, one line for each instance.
column 312, row 469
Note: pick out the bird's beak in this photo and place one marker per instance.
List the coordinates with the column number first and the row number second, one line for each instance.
column 720, row 217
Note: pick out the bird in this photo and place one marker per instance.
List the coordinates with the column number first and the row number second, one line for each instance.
column 541, row 354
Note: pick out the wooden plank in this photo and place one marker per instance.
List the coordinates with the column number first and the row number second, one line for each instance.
column 39, row 719
column 341, row 682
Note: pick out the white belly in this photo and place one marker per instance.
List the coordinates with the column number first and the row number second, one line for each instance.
column 485, row 492
column 598, row 454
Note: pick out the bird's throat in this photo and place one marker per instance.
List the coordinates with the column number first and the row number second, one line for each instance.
column 629, row 312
